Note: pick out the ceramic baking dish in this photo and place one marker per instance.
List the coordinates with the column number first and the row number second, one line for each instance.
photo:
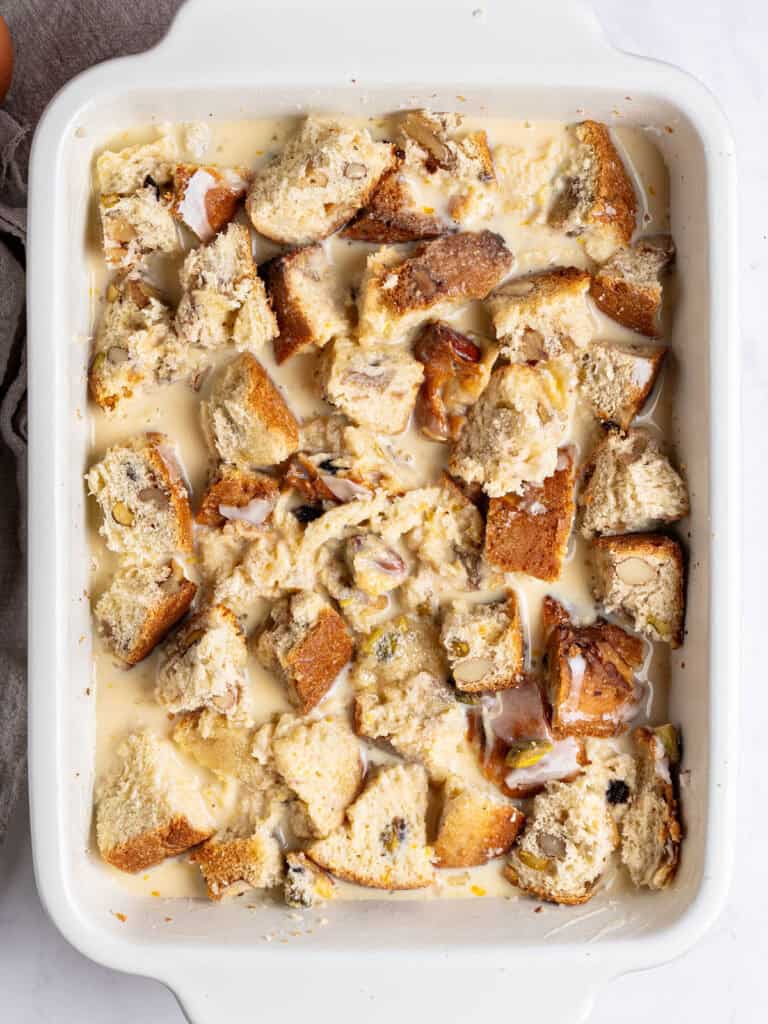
column 541, row 59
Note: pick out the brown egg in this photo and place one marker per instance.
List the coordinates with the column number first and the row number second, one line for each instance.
column 6, row 59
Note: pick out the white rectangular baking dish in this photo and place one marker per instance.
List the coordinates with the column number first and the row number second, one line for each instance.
column 542, row 59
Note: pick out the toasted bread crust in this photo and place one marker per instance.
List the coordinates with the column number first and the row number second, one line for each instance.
column 456, row 267
column 388, row 217
column 467, row 840
column 236, row 487
column 670, row 835
column 548, row 896
column 653, row 544
column 163, row 618
column 614, row 201
column 220, row 202
column 520, row 537
column 149, row 848
column 590, row 678
column 316, row 661
column 295, row 330
column 265, row 398
column 628, row 304
column 166, row 469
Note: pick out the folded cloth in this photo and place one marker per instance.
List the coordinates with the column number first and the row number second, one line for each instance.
column 52, row 41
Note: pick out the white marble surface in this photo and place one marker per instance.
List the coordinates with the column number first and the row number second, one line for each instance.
column 43, row 979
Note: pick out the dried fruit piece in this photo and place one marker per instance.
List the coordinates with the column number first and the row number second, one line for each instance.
column 527, row 753
column 635, row 571
column 535, row 863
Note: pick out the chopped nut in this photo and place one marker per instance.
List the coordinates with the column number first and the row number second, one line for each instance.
column 473, row 670
column 117, row 354
column 552, row 846
column 154, row 496
column 122, row 514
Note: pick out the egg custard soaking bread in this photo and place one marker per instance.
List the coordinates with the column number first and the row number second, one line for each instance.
column 409, row 640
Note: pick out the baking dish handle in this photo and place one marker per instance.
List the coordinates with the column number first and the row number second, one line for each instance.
column 547, row 995
column 368, row 40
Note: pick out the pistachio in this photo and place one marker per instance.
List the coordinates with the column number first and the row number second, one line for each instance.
column 635, row 571
column 355, row 171
column 473, row 670
column 527, row 753
column 552, row 846
column 110, row 200
column 154, row 496
column 117, row 354
column 458, row 649
column 532, row 861
column 122, row 514
column 670, row 739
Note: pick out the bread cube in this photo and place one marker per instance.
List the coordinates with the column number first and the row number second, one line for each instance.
column 140, row 605
column 475, row 826
column 456, row 372
column 143, row 499
column 151, row 808
column 591, row 678
column 595, row 198
column 617, row 380
column 376, row 388
column 320, row 761
column 484, row 644
column 203, row 664
column 613, row 773
column 223, row 299
column 640, row 576
column 309, row 300
column 398, row 294
column 393, row 214
column 246, row 419
column 399, row 649
column 650, row 830
column 205, row 199
column 529, row 532
column 383, row 843
column 305, row 882
column 628, row 288
column 306, row 642
column 237, row 495
column 135, row 346
column 436, row 161
column 513, row 432
column 136, row 226
column 322, row 177
column 355, row 453
column 245, row 856
column 542, row 315
column 226, row 747
column 419, row 718
column 565, row 847
column 629, row 485
column 127, row 170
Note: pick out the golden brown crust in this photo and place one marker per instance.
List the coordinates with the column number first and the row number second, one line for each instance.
column 368, row 881
column 390, row 218
column 655, row 545
column 590, row 678
column 529, row 533
column 233, row 486
column 629, row 304
column 295, row 330
column 267, row 401
column 226, row 863
column 149, row 848
column 457, row 267
column 161, row 620
column 614, row 201
column 548, row 895
column 167, row 470
column 466, row 840
column 314, row 663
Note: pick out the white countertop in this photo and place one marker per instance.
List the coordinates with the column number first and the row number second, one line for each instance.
column 43, row 979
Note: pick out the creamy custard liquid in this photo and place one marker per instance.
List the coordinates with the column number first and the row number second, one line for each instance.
column 526, row 155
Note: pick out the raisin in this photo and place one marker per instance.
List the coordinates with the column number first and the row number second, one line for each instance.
column 617, row 792
column 329, row 466
column 308, row 513
column 149, row 182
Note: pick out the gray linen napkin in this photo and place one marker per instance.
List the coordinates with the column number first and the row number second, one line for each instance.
column 53, row 40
